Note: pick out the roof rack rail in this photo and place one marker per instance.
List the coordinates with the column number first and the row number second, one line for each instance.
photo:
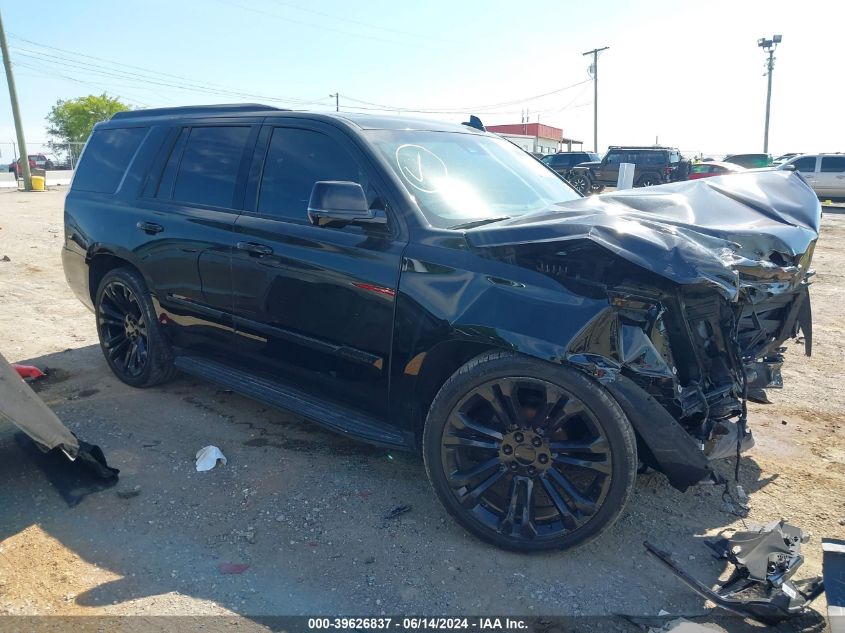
column 221, row 109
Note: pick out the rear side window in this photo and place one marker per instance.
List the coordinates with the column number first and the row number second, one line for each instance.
column 208, row 167
column 106, row 158
column 806, row 164
column 296, row 159
column 833, row 163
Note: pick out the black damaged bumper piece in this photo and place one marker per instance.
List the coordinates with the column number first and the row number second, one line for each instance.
column 760, row 586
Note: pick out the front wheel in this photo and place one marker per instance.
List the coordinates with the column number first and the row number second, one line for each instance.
column 648, row 180
column 527, row 455
column 581, row 183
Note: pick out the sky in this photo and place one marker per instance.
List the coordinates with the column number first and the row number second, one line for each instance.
column 684, row 74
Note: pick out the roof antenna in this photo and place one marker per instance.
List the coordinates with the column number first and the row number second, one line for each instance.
column 475, row 122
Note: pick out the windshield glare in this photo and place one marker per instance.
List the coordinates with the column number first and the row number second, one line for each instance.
column 457, row 178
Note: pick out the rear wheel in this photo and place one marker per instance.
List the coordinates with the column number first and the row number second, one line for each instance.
column 130, row 336
column 529, row 456
column 648, row 180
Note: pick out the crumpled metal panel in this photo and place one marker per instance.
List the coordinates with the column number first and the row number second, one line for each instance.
column 714, row 231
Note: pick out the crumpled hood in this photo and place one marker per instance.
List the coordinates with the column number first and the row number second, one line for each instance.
column 756, row 226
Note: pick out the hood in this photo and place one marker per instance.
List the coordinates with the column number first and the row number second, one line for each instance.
column 588, row 164
column 721, row 231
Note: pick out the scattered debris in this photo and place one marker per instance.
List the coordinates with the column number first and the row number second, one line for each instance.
column 247, row 534
column 128, row 493
column 5, row 258
column 207, row 458
column 398, row 511
column 28, row 372
column 662, row 613
column 760, row 586
column 232, row 568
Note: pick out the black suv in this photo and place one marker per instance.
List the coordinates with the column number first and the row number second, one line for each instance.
column 432, row 287
column 653, row 166
column 563, row 162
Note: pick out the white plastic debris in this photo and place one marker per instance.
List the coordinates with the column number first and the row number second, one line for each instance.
column 207, row 458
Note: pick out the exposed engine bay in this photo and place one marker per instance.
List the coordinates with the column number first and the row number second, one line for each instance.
column 704, row 283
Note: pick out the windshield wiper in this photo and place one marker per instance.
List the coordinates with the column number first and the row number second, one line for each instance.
column 474, row 223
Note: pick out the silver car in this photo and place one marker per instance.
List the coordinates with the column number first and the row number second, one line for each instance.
column 824, row 172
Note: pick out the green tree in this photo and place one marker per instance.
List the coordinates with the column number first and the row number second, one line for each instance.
column 70, row 122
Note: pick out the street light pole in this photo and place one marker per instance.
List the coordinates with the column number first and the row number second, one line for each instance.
column 336, row 96
column 769, row 45
column 595, row 53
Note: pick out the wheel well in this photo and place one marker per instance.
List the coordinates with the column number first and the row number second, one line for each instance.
column 98, row 267
column 440, row 363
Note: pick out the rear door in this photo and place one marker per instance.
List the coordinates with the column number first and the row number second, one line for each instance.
column 830, row 179
column 187, row 218
column 314, row 305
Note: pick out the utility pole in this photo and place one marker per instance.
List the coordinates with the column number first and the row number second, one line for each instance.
column 595, row 53
column 13, row 95
column 769, row 45
column 336, row 96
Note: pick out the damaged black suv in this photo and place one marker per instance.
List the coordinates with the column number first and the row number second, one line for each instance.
column 432, row 287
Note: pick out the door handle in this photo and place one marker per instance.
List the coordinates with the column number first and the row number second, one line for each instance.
column 150, row 228
column 254, row 249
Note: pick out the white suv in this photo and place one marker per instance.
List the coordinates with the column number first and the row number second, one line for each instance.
column 824, row 172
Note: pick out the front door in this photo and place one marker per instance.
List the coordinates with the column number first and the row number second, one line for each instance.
column 607, row 173
column 314, row 305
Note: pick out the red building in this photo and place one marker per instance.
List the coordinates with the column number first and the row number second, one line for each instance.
column 535, row 137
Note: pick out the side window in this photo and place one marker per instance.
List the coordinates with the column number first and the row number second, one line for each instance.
column 833, row 163
column 805, row 164
column 208, row 170
column 106, row 158
column 296, row 159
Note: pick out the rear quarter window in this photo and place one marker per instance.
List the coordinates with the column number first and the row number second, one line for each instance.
column 106, row 158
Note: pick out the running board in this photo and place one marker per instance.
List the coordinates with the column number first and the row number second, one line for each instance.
column 339, row 419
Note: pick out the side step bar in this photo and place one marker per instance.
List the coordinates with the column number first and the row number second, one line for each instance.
column 339, row 419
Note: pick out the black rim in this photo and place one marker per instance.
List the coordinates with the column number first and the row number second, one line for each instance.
column 526, row 459
column 123, row 329
column 646, row 182
column 580, row 184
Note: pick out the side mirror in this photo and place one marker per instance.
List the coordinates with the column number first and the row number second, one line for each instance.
column 337, row 203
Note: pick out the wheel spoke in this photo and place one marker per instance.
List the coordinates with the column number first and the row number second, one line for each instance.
column 462, row 421
column 571, row 407
column 499, row 397
column 581, row 502
column 602, row 467
column 472, row 497
column 130, row 354
column 110, row 315
column 464, row 477
column 519, row 518
column 567, row 515
column 596, row 445
column 116, row 345
column 452, row 439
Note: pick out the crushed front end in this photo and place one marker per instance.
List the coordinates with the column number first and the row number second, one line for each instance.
column 705, row 282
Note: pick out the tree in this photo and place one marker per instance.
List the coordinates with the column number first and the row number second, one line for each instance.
column 70, row 122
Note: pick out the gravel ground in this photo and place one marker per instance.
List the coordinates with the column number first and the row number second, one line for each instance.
column 309, row 513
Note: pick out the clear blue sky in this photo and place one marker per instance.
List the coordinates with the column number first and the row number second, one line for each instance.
column 689, row 73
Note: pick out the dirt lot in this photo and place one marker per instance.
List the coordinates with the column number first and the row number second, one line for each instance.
column 307, row 510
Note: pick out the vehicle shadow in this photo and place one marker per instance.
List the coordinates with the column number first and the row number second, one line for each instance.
column 319, row 523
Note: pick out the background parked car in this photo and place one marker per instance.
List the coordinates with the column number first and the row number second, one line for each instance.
column 653, row 166
column 825, row 173
column 713, row 168
column 563, row 162
column 750, row 161
column 785, row 157
column 36, row 161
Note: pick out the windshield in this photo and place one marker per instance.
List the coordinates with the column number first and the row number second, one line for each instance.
column 458, row 178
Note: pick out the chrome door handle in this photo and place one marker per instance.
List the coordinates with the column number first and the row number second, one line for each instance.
column 254, row 249
column 150, row 228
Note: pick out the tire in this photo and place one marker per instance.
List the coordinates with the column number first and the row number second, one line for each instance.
column 552, row 472
column 581, row 182
column 126, row 321
column 649, row 180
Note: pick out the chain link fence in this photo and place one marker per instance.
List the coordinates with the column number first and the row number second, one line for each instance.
column 45, row 154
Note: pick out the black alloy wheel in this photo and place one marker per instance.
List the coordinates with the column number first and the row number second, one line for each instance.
column 648, row 181
column 124, row 331
column 531, row 461
column 581, row 183
column 129, row 333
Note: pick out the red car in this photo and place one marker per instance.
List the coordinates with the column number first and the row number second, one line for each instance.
column 712, row 168
column 36, row 161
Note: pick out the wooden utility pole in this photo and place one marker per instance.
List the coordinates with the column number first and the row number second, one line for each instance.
column 13, row 96
column 595, row 66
